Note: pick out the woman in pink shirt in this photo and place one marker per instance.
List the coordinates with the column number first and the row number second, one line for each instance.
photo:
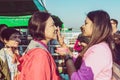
column 95, row 61
column 37, row 63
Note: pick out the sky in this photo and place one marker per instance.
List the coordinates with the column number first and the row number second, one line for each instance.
column 73, row 12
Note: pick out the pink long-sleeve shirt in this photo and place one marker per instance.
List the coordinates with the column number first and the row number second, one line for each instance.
column 97, row 64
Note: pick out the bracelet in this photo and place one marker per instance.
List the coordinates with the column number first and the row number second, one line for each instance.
column 67, row 57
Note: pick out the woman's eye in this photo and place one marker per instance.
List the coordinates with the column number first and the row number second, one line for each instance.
column 53, row 25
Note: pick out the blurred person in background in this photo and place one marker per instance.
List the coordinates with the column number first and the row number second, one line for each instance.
column 9, row 54
column 114, row 24
column 116, row 39
column 81, row 42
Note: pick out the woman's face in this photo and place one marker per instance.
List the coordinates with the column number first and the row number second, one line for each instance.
column 87, row 28
column 114, row 26
column 13, row 41
column 50, row 29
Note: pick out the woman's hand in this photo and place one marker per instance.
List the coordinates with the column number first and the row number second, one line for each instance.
column 62, row 51
column 60, row 38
